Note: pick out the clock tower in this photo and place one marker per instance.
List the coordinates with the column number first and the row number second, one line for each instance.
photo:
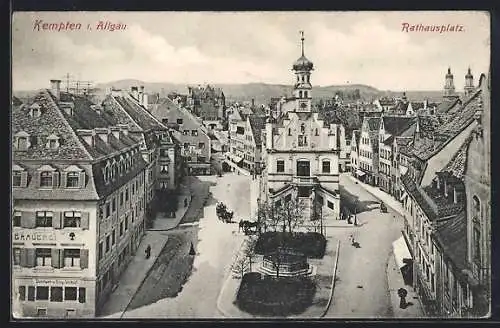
column 302, row 89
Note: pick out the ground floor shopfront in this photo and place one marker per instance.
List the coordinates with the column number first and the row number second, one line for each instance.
column 54, row 297
column 198, row 168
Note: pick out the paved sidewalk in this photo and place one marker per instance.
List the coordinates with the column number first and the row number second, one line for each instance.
column 383, row 196
column 135, row 273
column 395, row 281
column 162, row 223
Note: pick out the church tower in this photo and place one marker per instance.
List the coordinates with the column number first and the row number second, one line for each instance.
column 449, row 86
column 469, row 84
column 302, row 89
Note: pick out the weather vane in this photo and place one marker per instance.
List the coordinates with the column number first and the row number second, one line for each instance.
column 302, row 40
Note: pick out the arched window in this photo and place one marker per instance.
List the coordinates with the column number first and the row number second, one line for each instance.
column 317, row 132
column 289, row 131
column 302, row 128
column 308, row 79
column 305, row 94
column 303, row 78
column 300, row 94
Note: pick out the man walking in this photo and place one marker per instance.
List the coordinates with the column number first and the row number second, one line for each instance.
column 148, row 252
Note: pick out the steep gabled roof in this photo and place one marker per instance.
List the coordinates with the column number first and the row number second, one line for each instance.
column 396, row 125
column 456, row 166
column 139, row 114
column 51, row 121
column 373, row 123
column 257, row 123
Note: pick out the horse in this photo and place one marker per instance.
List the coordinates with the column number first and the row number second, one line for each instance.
column 247, row 225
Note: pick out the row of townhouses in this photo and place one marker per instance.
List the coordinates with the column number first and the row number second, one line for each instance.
column 85, row 178
column 438, row 166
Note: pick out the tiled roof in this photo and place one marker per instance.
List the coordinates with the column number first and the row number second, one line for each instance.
column 113, row 108
column 105, row 189
column 452, row 236
column 16, row 101
column 389, row 140
column 51, row 121
column 85, row 117
column 446, row 105
column 257, row 123
column 139, row 114
column 456, row 166
column 395, row 125
column 417, row 105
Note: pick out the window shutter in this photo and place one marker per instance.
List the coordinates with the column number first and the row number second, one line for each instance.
column 55, row 179
column 25, row 219
column 84, row 258
column 63, row 179
column 24, row 179
column 82, row 179
column 37, row 179
column 56, row 220
column 56, row 258
column 30, row 257
column 85, row 221
column 23, row 257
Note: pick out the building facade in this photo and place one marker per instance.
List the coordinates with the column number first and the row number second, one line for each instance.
column 368, row 150
column 190, row 133
column 303, row 153
column 79, row 198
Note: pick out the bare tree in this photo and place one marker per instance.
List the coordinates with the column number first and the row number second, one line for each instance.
column 240, row 266
column 291, row 214
column 249, row 251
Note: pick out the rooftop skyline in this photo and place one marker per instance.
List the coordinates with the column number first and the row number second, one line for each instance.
column 193, row 48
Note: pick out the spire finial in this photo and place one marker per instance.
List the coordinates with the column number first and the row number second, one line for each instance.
column 302, row 41
column 449, row 70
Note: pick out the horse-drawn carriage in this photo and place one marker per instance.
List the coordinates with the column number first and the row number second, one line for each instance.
column 223, row 213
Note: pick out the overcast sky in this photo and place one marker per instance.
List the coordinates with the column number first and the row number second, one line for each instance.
column 365, row 47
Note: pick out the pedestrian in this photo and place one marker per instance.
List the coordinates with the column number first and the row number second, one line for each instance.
column 148, row 252
column 351, row 238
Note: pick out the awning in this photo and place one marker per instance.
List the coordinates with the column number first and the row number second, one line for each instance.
column 401, row 252
column 360, row 173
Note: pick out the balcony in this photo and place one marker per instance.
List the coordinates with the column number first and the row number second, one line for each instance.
column 305, row 181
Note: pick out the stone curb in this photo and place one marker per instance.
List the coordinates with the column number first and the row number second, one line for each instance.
column 226, row 282
column 333, row 280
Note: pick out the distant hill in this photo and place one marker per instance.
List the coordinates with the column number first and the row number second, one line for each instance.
column 261, row 92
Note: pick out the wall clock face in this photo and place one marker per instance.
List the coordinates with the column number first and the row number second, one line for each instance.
column 303, row 105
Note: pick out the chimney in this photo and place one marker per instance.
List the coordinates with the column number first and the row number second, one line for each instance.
column 145, row 100
column 116, row 131
column 87, row 136
column 135, row 93
column 102, row 133
column 123, row 128
column 55, row 86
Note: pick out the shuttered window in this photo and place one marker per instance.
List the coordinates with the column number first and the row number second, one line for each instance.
column 71, row 257
column 16, row 252
column 31, row 293
column 16, row 179
column 16, row 219
column 22, row 293
column 72, row 219
column 43, row 256
column 43, row 219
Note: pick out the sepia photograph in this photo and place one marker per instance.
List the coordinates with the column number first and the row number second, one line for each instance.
column 250, row 165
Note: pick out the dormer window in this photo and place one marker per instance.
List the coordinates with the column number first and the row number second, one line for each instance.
column 35, row 110
column 46, row 180
column 289, row 131
column 52, row 142
column 19, row 176
column 21, row 140
column 72, row 180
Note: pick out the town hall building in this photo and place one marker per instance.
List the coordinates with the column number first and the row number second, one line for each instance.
column 302, row 153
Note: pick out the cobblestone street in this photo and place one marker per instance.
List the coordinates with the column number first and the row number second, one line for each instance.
column 214, row 241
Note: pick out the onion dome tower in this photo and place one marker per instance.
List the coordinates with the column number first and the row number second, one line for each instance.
column 302, row 89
